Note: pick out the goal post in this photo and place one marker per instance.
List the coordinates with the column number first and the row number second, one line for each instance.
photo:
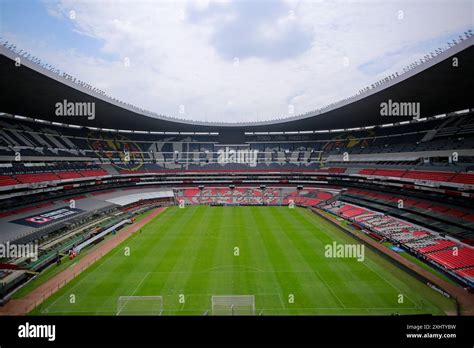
column 233, row 305
column 140, row 305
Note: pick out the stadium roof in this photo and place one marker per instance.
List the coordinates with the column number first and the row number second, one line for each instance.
column 438, row 85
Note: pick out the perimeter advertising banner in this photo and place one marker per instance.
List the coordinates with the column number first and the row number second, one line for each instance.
column 47, row 218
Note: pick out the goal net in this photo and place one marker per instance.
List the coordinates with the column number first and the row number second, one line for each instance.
column 233, row 305
column 140, row 305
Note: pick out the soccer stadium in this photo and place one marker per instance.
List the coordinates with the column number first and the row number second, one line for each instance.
column 360, row 207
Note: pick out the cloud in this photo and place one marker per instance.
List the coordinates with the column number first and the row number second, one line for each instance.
column 289, row 52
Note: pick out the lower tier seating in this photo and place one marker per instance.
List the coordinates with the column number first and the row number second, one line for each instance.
column 454, row 258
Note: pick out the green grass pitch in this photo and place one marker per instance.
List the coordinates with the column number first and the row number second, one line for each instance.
column 191, row 252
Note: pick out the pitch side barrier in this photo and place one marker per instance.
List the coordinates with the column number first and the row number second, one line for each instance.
column 102, row 234
column 437, row 284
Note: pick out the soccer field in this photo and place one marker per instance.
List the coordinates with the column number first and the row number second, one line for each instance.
column 277, row 254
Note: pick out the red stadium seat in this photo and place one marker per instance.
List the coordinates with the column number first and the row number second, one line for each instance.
column 366, row 171
column 441, row 244
column 466, row 273
column 96, row 172
column 447, row 258
column 463, row 178
column 429, row 176
column 68, row 175
column 40, row 177
column 7, row 181
column 389, row 172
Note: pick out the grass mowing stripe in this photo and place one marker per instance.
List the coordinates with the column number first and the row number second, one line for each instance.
column 289, row 282
column 389, row 273
column 241, row 282
column 305, row 255
column 189, row 248
column 156, row 256
column 337, row 269
column 313, row 291
column 200, row 284
column 261, row 257
column 371, row 268
column 223, row 257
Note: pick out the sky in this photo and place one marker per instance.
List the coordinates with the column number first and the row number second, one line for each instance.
column 232, row 61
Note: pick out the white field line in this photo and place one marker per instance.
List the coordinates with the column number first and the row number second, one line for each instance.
column 330, row 289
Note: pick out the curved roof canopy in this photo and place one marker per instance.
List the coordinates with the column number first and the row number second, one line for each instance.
column 438, row 85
